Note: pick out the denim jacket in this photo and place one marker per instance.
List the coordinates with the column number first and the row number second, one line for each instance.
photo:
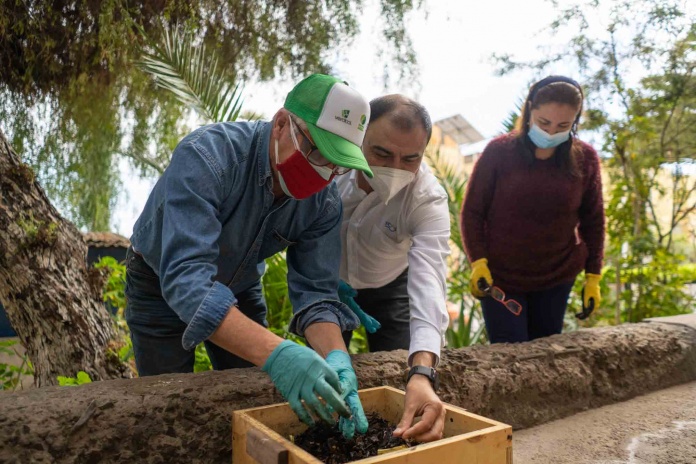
column 211, row 220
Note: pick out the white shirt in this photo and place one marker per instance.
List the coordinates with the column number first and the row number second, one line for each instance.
column 380, row 241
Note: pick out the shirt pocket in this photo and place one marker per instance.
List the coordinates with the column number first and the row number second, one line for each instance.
column 384, row 241
column 275, row 242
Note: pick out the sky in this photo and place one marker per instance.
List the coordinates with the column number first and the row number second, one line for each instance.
column 453, row 40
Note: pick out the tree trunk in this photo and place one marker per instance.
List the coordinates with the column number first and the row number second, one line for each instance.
column 52, row 298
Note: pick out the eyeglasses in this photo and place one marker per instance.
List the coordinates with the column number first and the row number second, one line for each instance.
column 313, row 154
column 497, row 294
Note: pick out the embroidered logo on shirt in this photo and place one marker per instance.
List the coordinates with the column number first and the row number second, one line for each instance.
column 390, row 226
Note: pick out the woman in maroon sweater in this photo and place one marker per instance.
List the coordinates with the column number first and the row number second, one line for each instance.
column 533, row 218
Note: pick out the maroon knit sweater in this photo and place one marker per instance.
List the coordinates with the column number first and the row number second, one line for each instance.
column 538, row 226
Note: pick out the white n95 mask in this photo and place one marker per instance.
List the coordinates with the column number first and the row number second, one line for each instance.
column 387, row 182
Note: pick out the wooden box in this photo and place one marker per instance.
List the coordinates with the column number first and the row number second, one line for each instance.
column 260, row 435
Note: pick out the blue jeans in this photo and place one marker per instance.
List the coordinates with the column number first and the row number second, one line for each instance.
column 542, row 315
column 156, row 330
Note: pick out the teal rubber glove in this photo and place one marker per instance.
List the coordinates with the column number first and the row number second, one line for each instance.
column 346, row 294
column 340, row 362
column 300, row 374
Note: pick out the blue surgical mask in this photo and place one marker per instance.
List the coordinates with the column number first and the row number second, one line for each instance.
column 543, row 139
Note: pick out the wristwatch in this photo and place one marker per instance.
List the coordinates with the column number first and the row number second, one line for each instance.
column 429, row 372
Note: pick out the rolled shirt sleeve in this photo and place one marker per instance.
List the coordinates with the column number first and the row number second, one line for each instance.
column 427, row 277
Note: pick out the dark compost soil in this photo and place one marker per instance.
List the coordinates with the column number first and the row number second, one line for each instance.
column 327, row 444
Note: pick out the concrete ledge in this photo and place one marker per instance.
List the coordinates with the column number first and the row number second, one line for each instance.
column 186, row 418
column 688, row 320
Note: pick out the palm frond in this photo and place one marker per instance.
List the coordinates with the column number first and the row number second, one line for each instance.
column 454, row 184
column 185, row 69
column 509, row 123
column 248, row 115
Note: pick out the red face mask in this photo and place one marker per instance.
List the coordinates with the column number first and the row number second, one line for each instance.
column 298, row 177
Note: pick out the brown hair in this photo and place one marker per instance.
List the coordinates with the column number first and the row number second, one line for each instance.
column 553, row 89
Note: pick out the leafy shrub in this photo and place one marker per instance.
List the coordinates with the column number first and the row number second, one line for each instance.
column 11, row 375
column 81, row 379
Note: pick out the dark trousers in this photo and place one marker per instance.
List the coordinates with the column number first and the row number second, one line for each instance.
column 542, row 315
column 156, row 330
column 390, row 306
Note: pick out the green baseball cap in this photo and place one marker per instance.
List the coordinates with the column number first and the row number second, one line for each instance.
column 336, row 116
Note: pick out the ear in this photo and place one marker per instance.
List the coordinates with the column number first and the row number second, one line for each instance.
column 280, row 120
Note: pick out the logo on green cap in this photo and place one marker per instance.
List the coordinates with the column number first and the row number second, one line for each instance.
column 361, row 126
column 344, row 117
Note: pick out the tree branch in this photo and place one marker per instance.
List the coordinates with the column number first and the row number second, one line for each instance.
column 144, row 160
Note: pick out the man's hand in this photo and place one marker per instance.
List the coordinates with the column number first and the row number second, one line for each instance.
column 421, row 400
column 347, row 295
column 340, row 362
column 300, row 374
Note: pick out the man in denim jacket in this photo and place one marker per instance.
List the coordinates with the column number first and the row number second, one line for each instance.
column 233, row 195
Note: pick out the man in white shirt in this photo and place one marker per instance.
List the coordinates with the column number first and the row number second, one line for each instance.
column 395, row 234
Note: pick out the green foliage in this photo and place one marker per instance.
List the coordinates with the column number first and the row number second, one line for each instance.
column 10, row 375
column 652, row 288
column 358, row 343
column 513, row 116
column 465, row 333
column 275, row 292
column 75, row 138
column 81, row 379
column 399, row 53
column 46, row 45
column 74, row 105
column 114, row 291
column 202, row 360
column 688, row 272
column 37, row 232
column 115, row 298
column 185, row 69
